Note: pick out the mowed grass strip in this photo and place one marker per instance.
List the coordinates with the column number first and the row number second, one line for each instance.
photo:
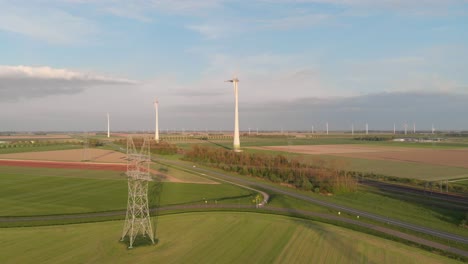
column 218, row 237
column 28, row 193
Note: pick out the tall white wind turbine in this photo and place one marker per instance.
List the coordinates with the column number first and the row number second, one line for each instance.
column 236, row 143
column 367, row 129
column 156, row 131
column 108, row 126
column 327, row 128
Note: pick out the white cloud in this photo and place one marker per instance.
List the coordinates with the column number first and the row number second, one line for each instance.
column 26, row 82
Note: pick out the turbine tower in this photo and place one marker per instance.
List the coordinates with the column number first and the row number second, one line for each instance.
column 156, row 131
column 327, row 128
column 433, row 129
column 367, row 129
column 108, row 126
column 394, row 129
column 137, row 219
column 406, row 128
column 236, row 143
column 414, row 128
column 352, row 129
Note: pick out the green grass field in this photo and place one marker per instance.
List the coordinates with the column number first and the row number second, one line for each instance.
column 218, row 237
column 41, row 191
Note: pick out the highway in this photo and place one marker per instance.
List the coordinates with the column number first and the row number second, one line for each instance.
column 341, row 208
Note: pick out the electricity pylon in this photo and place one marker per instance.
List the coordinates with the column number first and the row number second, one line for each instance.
column 137, row 220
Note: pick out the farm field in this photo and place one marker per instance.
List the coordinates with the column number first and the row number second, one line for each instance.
column 457, row 157
column 44, row 191
column 36, row 148
column 403, row 169
column 92, row 154
column 35, row 137
column 423, row 164
column 217, row 237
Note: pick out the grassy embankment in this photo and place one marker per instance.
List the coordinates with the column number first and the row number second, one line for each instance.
column 221, row 237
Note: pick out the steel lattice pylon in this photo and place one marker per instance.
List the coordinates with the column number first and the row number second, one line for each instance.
column 137, row 220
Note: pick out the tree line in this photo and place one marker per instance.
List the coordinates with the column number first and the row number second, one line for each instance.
column 162, row 148
column 318, row 176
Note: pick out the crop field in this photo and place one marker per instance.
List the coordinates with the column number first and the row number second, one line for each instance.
column 457, row 157
column 44, row 191
column 34, row 137
column 35, row 148
column 208, row 238
column 92, row 154
column 423, row 164
column 411, row 170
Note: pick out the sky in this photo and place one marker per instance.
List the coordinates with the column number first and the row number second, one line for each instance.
column 301, row 63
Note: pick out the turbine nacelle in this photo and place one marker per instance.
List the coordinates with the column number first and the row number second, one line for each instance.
column 233, row 80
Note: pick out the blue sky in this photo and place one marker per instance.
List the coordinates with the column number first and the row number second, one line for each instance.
column 116, row 56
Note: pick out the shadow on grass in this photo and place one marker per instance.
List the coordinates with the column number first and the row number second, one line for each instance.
column 140, row 241
column 154, row 202
column 219, row 145
column 445, row 211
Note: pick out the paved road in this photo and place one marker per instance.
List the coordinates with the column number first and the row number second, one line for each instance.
column 382, row 219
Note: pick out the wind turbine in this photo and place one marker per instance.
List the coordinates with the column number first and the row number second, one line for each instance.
column 414, row 128
column 156, row 132
column 406, row 128
column 236, row 143
column 367, row 129
column 327, row 128
column 433, row 129
column 352, row 129
column 394, row 129
column 108, row 126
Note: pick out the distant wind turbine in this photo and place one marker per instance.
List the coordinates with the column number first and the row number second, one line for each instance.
column 108, row 126
column 236, row 143
column 156, row 132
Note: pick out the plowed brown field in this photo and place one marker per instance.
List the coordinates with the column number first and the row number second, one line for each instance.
column 457, row 158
